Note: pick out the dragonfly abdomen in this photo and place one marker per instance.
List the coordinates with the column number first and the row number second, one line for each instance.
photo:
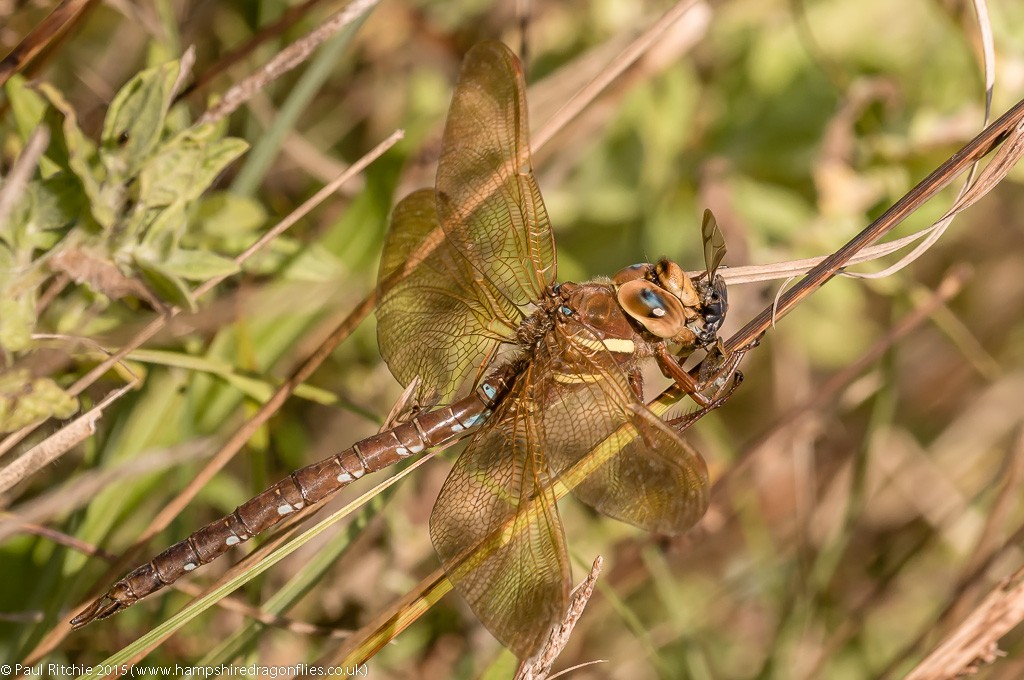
column 311, row 484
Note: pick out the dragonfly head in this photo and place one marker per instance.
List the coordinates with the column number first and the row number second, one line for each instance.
column 667, row 302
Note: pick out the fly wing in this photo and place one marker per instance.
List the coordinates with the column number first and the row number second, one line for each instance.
column 442, row 321
column 487, row 197
column 496, row 529
column 610, row 449
column 714, row 243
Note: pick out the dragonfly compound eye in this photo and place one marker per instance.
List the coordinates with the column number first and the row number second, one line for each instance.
column 672, row 278
column 631, row 273
column 653, row 307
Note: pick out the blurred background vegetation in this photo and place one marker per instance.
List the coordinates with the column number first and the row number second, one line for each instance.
column 860, row 502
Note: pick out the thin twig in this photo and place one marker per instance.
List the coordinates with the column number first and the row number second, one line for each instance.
column 976, row 641
column 157, row 324
column 287, row 20
column 286, row 60
column 59, row 632
column 14, row 184
column 55, row 25
column 973, row 151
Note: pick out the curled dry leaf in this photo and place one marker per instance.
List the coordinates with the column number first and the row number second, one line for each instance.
column 101, row 275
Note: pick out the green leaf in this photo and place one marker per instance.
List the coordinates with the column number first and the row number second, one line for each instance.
column 56, row 201
column 6, row 262
column 27, row 107
column 24, row 401
column 199, row 265
column 166, row 285
column 29, row 111
column 225, row 214
column 17, row 319
column 315, row 263
column 186, row 166
column 162, row 230
column 105, row 199
column 135, row 120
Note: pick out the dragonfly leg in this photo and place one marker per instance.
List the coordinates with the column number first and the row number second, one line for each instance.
column 673, row 370
column 683, row 422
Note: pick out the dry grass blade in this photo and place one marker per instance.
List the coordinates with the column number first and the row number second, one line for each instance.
column 973, row 151
column 61, row 441
column 286, row 60
column 155, row 326
column 238, row 440
column 14, row 184
column 988, row 50
column 288, row 18
column 643, row 44
column 1002, row 162
column 540, row 667
column 975, row 642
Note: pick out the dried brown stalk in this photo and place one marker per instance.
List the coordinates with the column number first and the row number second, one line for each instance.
column 975, row 642
column 55, row 25
column 290, row 17
column 286, row 60
column 539, row 667
column 14, row 184
column 61, row 441
column 238, row 440
column 948, row 288
column 1009, row 124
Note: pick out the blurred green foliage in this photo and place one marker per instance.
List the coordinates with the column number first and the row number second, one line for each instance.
column 836, row 542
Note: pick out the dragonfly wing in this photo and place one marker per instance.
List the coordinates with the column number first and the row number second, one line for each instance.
column 615, row 454
column 487, row 197
column 657, row 481
column 442, row 321
column 497, row 531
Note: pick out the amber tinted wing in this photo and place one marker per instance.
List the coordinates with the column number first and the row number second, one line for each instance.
column 442, row 321
column 620, row 458
column 570, row 406
column 487, row 197
column 496, row 528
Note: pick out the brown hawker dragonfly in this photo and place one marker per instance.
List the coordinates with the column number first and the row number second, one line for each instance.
column 551, row 373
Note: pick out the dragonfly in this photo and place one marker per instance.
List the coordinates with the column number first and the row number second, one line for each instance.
column 537, row 375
